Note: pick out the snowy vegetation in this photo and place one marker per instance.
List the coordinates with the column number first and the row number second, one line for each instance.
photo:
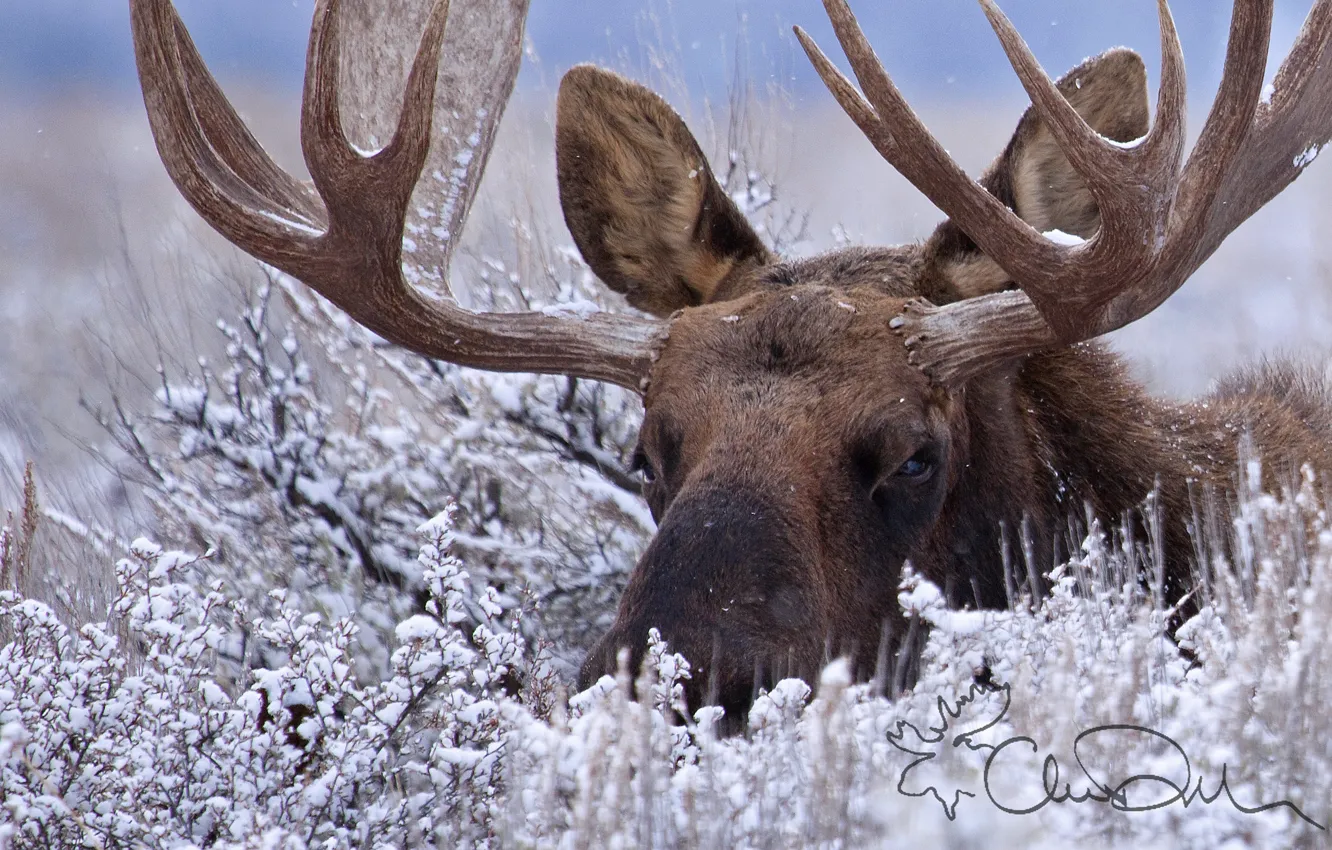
column 123, row 733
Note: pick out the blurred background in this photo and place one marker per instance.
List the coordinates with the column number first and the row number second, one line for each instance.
column 91, row 231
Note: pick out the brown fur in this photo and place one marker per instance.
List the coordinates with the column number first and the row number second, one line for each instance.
column 640, row 198
column 784, row 427
column 1047, row 192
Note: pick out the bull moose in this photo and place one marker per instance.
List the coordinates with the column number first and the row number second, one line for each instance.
column 812, row 424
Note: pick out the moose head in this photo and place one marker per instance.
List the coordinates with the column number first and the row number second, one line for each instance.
column 812, row 425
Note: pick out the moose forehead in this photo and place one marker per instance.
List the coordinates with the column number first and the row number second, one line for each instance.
column 805, row 337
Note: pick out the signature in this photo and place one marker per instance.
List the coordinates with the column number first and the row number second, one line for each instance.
column 1170, row 780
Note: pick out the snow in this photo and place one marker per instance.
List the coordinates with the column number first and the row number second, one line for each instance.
column 291, row 223
column 1304, row 159
column 439, row 525
column 835, row 677
column 1059, row 237
column 1129, row 145
column 418, row 628
column 508, row 396
column 581, row 308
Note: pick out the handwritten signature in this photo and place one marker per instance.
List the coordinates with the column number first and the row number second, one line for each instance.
column 1139, row 791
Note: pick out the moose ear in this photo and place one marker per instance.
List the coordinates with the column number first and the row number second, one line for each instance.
column 639, row 198
column 1035, row 179
column 1110, row 93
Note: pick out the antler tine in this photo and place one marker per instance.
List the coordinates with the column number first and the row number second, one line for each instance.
column 1133, row 186
column 847, row 96
column 1295, row 74
column 1285, row 134
column 367, row 192
column 214, row 176
column 356, row 261
column 334, row 164
column 1128, row 183
column 1165, row 140
column 1107, row 167
column 1233, row 112
column 411, row 139
column 328, row 155
column 234, row 143
column 1086, row 150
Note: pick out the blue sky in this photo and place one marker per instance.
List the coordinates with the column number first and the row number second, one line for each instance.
column 937, row 47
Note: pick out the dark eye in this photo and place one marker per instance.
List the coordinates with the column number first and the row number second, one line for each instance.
column 917, row 467
column 643, row 467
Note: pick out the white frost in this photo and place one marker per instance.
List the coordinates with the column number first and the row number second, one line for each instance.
column 1309, row 154
column 1059, row 237
column 1132, row 143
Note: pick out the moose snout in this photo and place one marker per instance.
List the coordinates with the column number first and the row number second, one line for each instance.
column 729, row 585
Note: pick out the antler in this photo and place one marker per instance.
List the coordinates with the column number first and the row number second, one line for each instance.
column 342, row 235
column 1159, row 221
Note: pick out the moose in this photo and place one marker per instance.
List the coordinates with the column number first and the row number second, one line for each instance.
column 813, row 424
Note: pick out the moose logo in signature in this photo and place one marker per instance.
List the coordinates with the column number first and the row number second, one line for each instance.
column 1007, row 776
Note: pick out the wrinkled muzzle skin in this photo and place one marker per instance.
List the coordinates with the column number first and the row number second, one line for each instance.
column 787, row 499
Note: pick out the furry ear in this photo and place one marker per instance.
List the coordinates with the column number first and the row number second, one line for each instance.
column 639, row 197
column 1035, row 179
column 1110, row 93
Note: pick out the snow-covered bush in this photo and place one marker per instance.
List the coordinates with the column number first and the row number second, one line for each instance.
column 120, row 734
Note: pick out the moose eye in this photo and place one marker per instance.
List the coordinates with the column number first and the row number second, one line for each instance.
column 917, row 467
column 643, row 467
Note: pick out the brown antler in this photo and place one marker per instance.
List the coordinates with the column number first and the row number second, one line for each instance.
column 343, row 235
column 1159, row 221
